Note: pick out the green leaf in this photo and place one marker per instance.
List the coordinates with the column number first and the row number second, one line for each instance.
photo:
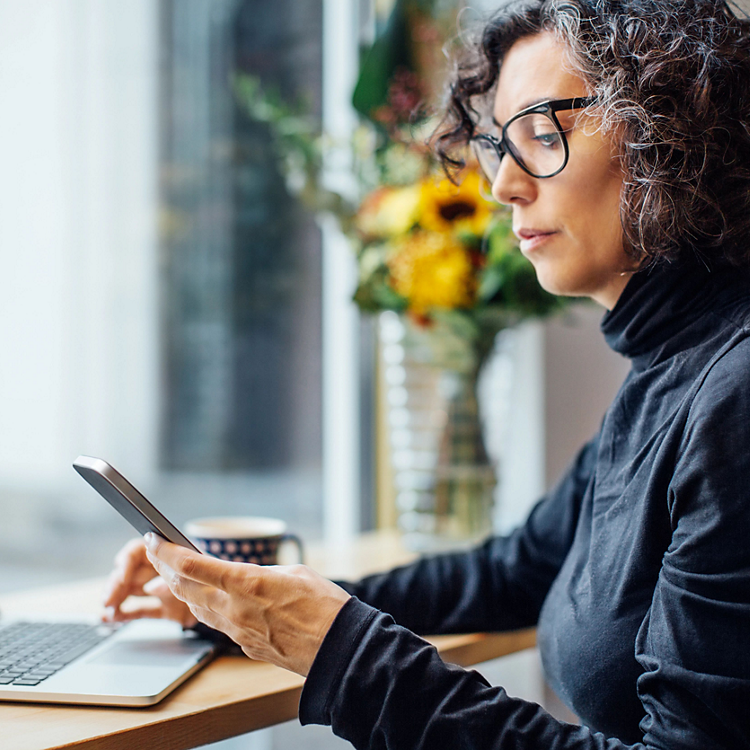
column 389, row 52
column 461, row 322
column 500, row 238
column 388, row 298
column 490, row 281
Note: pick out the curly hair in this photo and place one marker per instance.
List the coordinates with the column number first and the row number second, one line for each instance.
column 672, row 82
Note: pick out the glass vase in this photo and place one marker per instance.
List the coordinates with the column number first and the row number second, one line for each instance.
column 444, row 480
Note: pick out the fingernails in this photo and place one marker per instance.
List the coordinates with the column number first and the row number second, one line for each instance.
column 150, row 539
column 151, row 586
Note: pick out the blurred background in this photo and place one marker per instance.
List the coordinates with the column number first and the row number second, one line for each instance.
column 168, row 305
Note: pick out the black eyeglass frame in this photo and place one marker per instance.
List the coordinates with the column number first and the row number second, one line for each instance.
column 549, row 108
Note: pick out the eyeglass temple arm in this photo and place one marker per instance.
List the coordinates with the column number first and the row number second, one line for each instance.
column 577, row 102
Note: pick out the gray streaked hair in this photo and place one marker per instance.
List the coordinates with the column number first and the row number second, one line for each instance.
column 672, row 85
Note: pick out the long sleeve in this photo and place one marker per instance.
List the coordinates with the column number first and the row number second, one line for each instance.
column 501, row 585
column 382, row 687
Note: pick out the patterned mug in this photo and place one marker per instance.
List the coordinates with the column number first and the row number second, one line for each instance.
column 248, row 539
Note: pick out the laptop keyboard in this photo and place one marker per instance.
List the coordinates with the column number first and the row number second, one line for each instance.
column 30, row 652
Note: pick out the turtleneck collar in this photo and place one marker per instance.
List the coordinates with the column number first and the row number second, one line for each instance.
column 660, row 303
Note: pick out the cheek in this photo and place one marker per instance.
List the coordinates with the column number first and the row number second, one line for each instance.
column 608, row 221
column 589, row 251
column 593, row 211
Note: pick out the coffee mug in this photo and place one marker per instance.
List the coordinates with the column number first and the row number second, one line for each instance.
column 249, row 539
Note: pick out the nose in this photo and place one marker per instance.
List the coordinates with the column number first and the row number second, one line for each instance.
column 512, row 184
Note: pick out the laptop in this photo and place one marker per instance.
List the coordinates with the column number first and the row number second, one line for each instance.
column 92, row 663
column 86, row 662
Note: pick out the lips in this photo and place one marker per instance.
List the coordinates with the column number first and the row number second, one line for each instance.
column 532, row 238
column 527, row 234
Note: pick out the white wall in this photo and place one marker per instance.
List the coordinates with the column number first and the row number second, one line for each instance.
column 544, row 394
column 78, row 366
column 581, row 377
column 512, row 395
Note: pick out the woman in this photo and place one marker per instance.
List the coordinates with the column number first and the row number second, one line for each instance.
column 618, row 134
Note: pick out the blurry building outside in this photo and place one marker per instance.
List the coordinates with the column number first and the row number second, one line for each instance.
column 163, row 294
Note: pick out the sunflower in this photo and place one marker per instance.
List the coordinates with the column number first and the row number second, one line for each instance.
column 432, row 269
column 445, row 207
column 389, row 212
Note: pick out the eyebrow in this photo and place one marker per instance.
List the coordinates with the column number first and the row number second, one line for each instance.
column 528, row 104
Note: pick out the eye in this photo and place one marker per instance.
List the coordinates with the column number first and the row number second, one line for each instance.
column 550, row 139
column 535, row 131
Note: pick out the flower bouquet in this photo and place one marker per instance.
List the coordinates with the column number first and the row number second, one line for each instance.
column 443, row 255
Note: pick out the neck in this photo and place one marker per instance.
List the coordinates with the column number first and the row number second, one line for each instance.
column 608, row 296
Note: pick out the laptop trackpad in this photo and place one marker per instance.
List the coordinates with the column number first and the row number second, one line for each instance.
column 148, row 653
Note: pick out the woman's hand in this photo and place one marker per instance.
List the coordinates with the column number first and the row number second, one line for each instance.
column 278, row 614
column 134, row 575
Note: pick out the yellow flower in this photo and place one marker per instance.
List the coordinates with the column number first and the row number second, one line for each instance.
column 446, row 207
column 389, row 212
column 431, row 269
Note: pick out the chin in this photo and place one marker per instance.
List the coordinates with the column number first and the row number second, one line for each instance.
column 564, row 282
column 553, row 283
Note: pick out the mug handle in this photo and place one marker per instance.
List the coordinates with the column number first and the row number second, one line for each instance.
column 295, row 540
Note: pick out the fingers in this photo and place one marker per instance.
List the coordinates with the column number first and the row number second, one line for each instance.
column 163, row 605
column 182, row 583
column 117, row 589
column 131, row 552
column 278, row 614
column 114, row 590
column 155, row 611
column 135, row 575
column 214, row 620
column 190, row 565
column 132, row 570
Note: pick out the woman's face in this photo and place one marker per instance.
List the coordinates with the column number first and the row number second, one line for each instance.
column 569, row 224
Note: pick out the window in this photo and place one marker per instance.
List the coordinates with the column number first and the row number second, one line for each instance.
column 163, row 295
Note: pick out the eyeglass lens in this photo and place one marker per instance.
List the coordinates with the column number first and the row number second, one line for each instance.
column 534, row 142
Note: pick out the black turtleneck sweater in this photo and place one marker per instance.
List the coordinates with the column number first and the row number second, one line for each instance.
column 635, row 568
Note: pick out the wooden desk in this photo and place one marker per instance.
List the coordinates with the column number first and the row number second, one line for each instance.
column 231, row 696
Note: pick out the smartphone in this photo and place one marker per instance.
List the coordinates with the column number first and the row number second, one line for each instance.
column 127, row 501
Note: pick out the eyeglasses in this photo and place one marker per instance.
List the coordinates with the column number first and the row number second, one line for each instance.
column 534, row 138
